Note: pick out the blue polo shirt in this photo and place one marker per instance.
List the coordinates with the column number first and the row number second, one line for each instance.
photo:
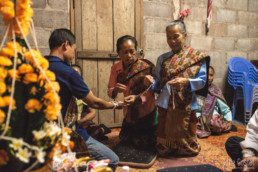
column 71, row 83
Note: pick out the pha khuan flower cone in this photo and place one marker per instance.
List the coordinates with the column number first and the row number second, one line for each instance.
column 29, row 102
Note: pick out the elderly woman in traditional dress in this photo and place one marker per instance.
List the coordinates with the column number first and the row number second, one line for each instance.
column 180, row 75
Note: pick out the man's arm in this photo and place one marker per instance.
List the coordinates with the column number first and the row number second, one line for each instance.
column 80, row 90
column 99, row 103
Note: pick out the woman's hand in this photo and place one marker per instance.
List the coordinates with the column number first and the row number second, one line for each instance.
column 148, row 80
column 129, row 100
column 249, row 164
column 120, row 88
column 179, row 82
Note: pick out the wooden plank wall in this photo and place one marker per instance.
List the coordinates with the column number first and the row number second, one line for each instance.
column 123, row 18
column 104, row 43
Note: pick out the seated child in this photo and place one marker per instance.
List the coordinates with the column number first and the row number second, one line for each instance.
column 213, row 113
column 84, row 115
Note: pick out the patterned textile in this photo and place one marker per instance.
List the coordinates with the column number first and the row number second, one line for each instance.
column 179, row 64
column 177, row 124
column 70, row 116
column 138, row 131
column 133, row 78
column 219, row 124
column 181, row 139
column 207, row 119
column 73, row 114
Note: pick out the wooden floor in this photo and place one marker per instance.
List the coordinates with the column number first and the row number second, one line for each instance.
column 212, row 152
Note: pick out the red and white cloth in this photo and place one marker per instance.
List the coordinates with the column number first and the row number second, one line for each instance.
column 209, row 10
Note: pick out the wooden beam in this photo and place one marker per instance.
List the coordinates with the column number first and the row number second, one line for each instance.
column 97, row 54
column 108, row 55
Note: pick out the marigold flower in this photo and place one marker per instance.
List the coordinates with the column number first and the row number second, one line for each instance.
column 25, row 68
column 28, row 55
column 2, row 88
column 43, row 63
column 51, row 75
column 25, row 11
column 7, row 100
column 9, row 49
column 3, row 157
column 71, row 144
column 3, row 73
column 52, row 112
column 51, row 98
column 68, row 130
column 32, row 105
column 2, row 116
column 30, row 77
column 11, row 45
column 2, row 102
column 10, row 74
column 55, row 85
column 7, row 52
column 7, row 9
column 63, row 148
column 5, row 61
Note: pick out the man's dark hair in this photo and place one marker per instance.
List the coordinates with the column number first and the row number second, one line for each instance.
column 122, row 39
column 79, row 67
column 210, row 67
column 177, row 22
column 60, row 36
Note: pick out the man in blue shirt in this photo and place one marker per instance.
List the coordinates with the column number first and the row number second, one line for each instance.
column 62, row 51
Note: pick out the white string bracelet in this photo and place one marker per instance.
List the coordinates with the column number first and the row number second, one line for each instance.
column 115, row 104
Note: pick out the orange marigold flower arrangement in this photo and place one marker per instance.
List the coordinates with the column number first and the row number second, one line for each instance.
column 29, row 102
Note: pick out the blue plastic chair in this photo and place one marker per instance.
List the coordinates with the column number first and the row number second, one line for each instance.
column 243, row 76
column 240, row 64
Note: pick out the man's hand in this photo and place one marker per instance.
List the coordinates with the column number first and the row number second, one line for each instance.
column 179, row 82
column 120, row 88
column 129, row 100
column 120, row 105
column 148, row 80
column 249, row 164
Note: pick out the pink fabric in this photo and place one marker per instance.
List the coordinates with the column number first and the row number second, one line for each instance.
column 115, row 70
column 147, row 98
